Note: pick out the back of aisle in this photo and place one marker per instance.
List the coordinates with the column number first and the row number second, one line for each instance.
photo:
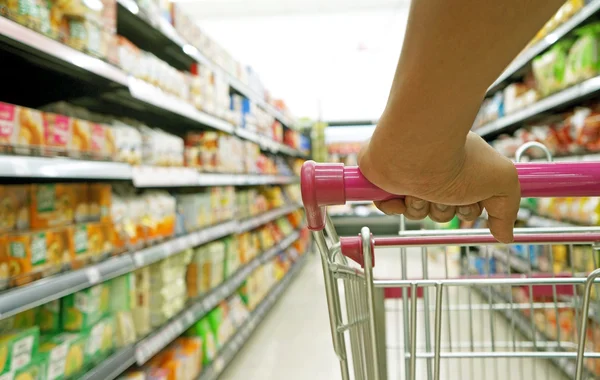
column 208, row 258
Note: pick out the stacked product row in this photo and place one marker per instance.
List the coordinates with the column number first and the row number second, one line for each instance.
column 47, row 228
column 569, row 61
column 63, row 338
column 92, row 28
column 65, row 130
column 185, row 358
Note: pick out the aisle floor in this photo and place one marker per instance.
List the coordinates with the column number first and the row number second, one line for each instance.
column 294, row 341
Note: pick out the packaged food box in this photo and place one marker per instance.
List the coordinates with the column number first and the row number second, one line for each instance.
column 82, row 309
column 125, row 329
column 100, row 340
column 14, row 213
column 34, row 252
column 102, row 141
column 49, row 317
column 65, row 355
column 17, row 348
column 20, row 128
column 209, row 344
column 122, row 293
column 217, row 260
column 57, row 130
column 100, row 200
column 26, row 319
column 35, row 370
column 52, row 205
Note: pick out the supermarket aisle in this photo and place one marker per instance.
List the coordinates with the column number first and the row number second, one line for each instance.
column 294, row 341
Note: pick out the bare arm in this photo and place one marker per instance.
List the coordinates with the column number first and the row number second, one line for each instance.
column 453, row 50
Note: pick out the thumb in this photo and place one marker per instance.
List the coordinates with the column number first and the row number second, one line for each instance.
column 502, row 214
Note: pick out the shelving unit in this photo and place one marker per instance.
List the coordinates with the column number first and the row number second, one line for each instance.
column 525, row 57
column 48, row 289
column 145, row 348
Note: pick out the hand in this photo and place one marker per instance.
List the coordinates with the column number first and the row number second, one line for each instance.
column 462, row 183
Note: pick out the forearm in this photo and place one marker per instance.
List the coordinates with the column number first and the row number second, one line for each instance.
column 453, row 50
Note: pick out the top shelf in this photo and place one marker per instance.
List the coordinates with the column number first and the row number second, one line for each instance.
column 525, row 57
column 181, row 51
column 126, row 90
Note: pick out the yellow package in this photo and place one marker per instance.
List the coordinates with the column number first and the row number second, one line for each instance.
column 81, row 202
column 100, row 195
column 14, row 213
column 52, row 205
column 34, row 252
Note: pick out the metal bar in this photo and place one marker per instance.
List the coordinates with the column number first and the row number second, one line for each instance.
column 438, row 332
column 368, row 268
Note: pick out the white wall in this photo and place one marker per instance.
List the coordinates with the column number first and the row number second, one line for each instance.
column 342, row 62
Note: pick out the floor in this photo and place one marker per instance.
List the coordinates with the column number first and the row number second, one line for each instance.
column 294, row 341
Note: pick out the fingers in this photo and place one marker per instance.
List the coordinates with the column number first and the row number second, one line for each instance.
column 392, row 207
column 469, row 213
column 502, row 214
column 441, row 213
column 416, row 208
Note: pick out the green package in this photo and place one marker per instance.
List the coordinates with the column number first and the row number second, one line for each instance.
column 584, row 59
column 203, row 330
column 549, row 68
column 65, row 355
column 17, row 349
column 26, row 319
column 81, row 309
column 99, row 340
column 122, row 293
column 49, row 317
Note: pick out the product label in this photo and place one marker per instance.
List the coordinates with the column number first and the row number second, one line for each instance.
column 93, row 344
column 46, row 198
column 21, row 352
column 7, row 120
column 97, row 137
column 56, row 367
column 81, row 240
column 17, row 250
column 8, row 376
column 82, row 302
column 59, row 131
column 38, row 249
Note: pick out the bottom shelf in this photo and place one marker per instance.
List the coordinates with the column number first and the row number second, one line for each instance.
column 239, row 339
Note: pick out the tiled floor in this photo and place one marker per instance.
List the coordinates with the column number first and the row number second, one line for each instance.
column 294, row 342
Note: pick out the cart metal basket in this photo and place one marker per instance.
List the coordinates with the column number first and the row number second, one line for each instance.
column 439, row 321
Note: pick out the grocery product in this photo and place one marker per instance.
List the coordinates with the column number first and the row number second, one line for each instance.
column 64, row 353
column 52, row 205
column 49, row 317
column 100, row 340
column 15, row 211
column 583, row 61
column 82, row 309
column 17, row 348
column 549, row 68
column 21, row 129
column 202, row 329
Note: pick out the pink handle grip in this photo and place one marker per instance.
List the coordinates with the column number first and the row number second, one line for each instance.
column 333, row 184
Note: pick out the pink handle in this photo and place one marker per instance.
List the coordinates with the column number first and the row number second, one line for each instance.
column 333, row 184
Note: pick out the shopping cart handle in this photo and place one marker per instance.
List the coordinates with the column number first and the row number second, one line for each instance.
column 333, row 184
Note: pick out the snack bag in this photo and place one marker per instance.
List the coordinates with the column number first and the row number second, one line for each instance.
column 549, row 68
column 583, row 61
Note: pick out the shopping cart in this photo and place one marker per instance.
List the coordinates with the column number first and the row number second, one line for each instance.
column 442, row 322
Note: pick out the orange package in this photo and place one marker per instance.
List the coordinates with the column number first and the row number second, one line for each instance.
column 52, row 205
column 100, row 196
column 57, row 129
column 20, row 128
column 80, row 138
column 35, row 252
column 88, row 241
column 14, row 213
column 81, row 206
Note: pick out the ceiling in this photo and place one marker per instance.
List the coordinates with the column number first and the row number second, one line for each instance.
column 223, row 9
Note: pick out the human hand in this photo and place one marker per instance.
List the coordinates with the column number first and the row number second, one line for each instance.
column 462, row 183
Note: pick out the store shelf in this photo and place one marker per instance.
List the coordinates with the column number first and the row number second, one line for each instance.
column 543, row 222
column 151, row 176
column 64, row 168
column 113, row 366
column 562, row 98
column 516, row 263
column 527, row 56
column 142, row 176
column 239, row 339
column 48, row 289
column 46, row 48
column 150, row 346
column 523, row 324
column 257, row 221
column 13, row 301
column 179, row 51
